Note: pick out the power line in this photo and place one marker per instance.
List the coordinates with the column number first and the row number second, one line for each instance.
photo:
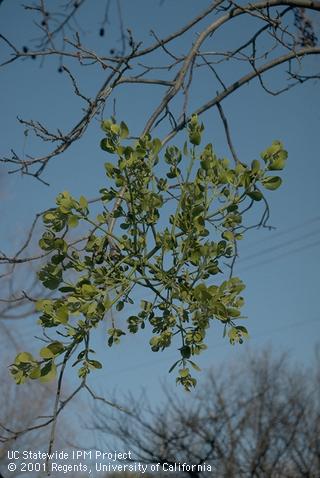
column 279, row 257
column 278, row 246
column 287, row 230
column 267, row 261
column 259, row 335
column 288, row 326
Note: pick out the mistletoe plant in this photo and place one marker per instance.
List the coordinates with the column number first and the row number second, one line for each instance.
column 170, row 232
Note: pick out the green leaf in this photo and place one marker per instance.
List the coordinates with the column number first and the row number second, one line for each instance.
column 109, row 167
column 62, row 314
column 145, row 305
column 185, row 351
column 56, row 347
column 115, row 128
column 66, row 289
column 88, row 290
column 73, row 221
column 24, row 357
column 256, row 195
column 201, row 293
column 228, row 235
column 255, row 166
column 124, row 131
column 83, row 203
column 194, row 365
column 272, row 182
column 242, row 329
column 43, row 305
column 119, row 305
column 48, row 372
column 279, row 161
column 49, row 217
column 107, row 145
column 195, row 138
column 156, row 145
column 95, row 363
column 35, row 373
column 184, row 372
column 110, row 341
column 46, row 353
column 53, row 349
column 106, row 125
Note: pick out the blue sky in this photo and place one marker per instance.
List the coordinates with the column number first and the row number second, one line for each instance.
column 281, row 276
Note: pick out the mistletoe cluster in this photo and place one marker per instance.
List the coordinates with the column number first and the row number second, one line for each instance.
column 168, row 227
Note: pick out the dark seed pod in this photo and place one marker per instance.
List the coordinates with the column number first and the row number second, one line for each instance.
column 25, row 49
column 101, row 32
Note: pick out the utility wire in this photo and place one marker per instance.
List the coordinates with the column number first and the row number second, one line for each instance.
column 278, row 246
column 281, row 256
column 267, row 261
column 259, row 335
column 287, row 230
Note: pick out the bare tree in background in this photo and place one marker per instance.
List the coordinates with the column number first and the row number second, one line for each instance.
column 281, row 34
column 24, row 409
column 258, row 418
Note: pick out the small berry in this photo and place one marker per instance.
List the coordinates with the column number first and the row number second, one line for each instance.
column 101, row 32
column 112, row 51
column 25, row 49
